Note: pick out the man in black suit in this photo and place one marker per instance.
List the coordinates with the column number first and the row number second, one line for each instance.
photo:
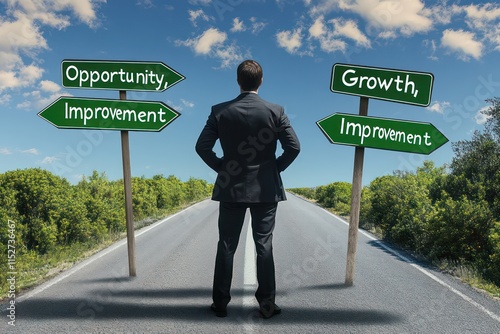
column 248, row 176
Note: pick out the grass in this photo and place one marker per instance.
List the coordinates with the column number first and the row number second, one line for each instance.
column 470, row 275
column 33, row 269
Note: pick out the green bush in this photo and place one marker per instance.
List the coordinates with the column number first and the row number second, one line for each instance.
column 309, row 193
column 144, row 198
column 401, row 205
column 169, row 192
column 459, row 231
column 336, row 195
column 196, row 189
column 38, row 199
column 105, row 202
column 53, row 217
column 492, row 267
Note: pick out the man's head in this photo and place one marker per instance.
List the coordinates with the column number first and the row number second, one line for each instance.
column 249, row 75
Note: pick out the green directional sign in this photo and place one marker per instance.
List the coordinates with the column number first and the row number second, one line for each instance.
column 118, row 75
column 407, row 87
column 382, row 133
column 106, row 114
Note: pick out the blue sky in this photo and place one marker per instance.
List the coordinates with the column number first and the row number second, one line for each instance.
column 296, row 41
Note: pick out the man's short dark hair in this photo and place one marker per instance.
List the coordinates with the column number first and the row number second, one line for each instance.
column 249, row 75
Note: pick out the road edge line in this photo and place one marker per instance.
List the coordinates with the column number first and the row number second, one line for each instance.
column 96, row 256
column 421, row 269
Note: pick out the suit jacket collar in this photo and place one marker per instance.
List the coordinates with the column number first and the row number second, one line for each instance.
column 247, row 94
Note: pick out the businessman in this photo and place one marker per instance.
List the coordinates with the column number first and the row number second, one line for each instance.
column 248, row 177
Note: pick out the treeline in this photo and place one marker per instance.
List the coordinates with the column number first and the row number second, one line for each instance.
column 52, row 216
column 448, row 214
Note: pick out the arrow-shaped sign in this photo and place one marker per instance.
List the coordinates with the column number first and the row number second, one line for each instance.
column 382, row 133
column 118, row 75
column 106, row 114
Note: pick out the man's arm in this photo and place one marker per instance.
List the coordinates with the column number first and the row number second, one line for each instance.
column 206, row 142
column 289, row 143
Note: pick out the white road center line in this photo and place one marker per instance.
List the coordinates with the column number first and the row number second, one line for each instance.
column 250, row 267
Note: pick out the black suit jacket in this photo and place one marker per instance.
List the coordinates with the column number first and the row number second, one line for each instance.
column 248, row 128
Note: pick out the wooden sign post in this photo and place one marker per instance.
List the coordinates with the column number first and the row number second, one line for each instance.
column 408, row 87
column 121, row 114
column 357, row 176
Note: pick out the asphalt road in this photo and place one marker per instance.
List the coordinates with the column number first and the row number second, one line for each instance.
column 172, row 290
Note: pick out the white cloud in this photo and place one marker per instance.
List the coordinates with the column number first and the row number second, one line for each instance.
column 8, row 80
column 36, row 94
column 49, row 86
column 83, row 9
column 229, row 55
column 318, row 28
column 5, row 151
column 200, row 2
column 387, row 35
column 431, row 44
column 323, row 7
column 206, row 42
column 24, row 105
column 390, row 19
column 47, row 12
column 349, row 29
column 480, row 30
column 485, row 20
column 36, row 99
column 5, row 98
column 238, row 25
column 30, row 73
column 183, row 104
column 175, row 106
column 212, row 43
column 194, row 15
column 329, row 38
column 439, row 106
column 21, row 34
column 408, row 17
column 49, row 160
column 441, row 13
column 45, row 101
column 291, row 41
column 145, row 3
column 330, row 45
column 480, row 16
column 187, row 103
column 256, row 25
column 494, row 36
column 480, row 117
column 462, row 42
column 32, row 151
column 18, row 36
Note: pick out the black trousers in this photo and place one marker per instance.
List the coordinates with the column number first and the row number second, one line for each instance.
column 231, row 218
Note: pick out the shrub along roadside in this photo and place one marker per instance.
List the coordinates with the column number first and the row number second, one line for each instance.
column 415, row 211
column 58, row 224
column 449, row 215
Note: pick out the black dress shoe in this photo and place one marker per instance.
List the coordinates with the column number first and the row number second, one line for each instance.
column 268, row 309
column 221, row 313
